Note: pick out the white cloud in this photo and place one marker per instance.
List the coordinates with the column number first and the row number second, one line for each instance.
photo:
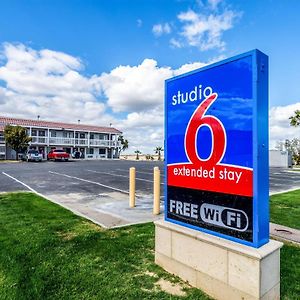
column 280, row 128
column 214, row 4
column 175, row 43
column 52, row 84
column 139, row 91
column 135, row 88
column 205, row 31
column 202, row 27
column 47, row 83
column 160, row 29
column 145, row 130
column 189, row 67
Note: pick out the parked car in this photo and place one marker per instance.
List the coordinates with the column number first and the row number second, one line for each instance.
column 22, row 156
column 33, row 155
column 57, row 154
column 76, row 154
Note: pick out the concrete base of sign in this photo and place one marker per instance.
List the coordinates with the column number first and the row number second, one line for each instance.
column 221, row 268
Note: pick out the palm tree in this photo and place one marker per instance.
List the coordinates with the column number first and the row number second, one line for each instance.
column 124, row 143
column 157, row 151
column 295, row 119
column 137, row 152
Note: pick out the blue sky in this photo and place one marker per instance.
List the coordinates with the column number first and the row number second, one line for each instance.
column 151, row 41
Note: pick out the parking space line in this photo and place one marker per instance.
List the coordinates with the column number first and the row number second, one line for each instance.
column 93, row 182
column 139, row 172
column 56, row 202
column 118, row 175
column 24, row 184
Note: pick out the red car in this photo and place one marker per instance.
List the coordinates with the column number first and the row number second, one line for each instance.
column 57, row 154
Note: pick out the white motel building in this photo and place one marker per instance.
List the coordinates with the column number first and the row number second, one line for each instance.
column 94, row 142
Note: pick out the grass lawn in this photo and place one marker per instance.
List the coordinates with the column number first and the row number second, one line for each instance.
column 46, row 252
column 285, row 209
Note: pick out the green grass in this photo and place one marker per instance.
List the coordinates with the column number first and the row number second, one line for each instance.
column 290, row 272
column 285, row 209
column 46, row 252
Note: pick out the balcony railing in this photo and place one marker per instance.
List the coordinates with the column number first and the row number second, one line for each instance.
column 72, row 142
column 39, row 140
column 67, row 141
column 101, row 143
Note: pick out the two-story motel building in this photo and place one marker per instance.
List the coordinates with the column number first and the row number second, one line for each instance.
column 93, row 142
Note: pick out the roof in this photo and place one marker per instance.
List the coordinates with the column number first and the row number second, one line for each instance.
column 57, row 125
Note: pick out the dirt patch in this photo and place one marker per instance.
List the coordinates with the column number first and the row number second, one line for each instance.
column 2, row 278
column 171, row 288
column 92, row 225
column 151, row 274
column 67, row 236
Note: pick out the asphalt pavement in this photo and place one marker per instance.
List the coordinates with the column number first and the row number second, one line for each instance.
column 98, row 189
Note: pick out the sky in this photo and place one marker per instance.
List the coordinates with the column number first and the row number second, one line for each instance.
column 106, row 61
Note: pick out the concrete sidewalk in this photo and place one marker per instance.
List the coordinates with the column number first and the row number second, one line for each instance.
column 113, row 211
column 285, row 233
column 110, row 209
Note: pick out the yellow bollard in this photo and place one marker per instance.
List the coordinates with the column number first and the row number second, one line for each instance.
column 132, row 187
column 156, row 191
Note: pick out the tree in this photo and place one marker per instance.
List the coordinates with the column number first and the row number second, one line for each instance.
column 294, row 147
column 149, row 157
column 17, row 138
column 295, row 119
column 158, row 150
column 137, row 152
column 124, row 143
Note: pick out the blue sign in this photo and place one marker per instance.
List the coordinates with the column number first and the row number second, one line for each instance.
column 216, row 145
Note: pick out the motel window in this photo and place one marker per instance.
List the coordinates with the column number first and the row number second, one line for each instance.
column 33, row 132
column 82, row 135
column 91, row 136
column 101, row 151
column 90, row 151
column 42, row 133
column 53, row 133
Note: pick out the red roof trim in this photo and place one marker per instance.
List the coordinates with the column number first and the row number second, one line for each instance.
column 59, row 125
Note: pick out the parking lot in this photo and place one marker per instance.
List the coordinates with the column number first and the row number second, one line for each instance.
column 99, row 189
column 95, row 189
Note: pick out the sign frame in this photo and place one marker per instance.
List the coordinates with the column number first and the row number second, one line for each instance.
column 260, row 142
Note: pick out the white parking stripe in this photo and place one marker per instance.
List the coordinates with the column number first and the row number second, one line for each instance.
column 118, row 175
column 58, row 203
column 24, row 184
column 149, row 173
column 93, row 182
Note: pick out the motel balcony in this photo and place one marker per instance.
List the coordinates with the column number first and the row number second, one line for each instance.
column 74, row 142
